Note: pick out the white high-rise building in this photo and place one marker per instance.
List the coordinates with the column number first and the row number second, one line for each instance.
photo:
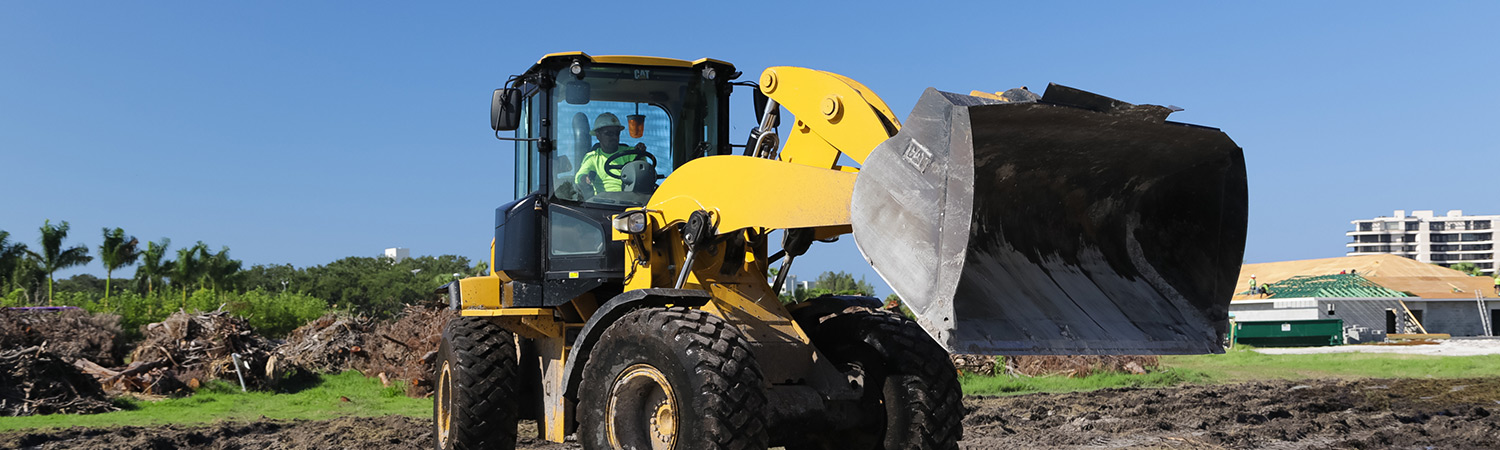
column 1447, row 240
column 397, row 254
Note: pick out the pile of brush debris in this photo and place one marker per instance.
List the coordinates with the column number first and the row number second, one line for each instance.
column 34, row 380
column 186, row 350
column 39, row 348
column 406, row 348
column 330, row 344
column 66, row 360
column 68, row 332
column 1046, row 365
column 402, row 349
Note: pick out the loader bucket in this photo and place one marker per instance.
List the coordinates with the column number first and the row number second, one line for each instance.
column 1076, row 224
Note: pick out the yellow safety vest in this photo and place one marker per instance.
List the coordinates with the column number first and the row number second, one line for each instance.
column 594, row 162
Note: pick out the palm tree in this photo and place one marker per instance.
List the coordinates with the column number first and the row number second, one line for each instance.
column 189, row 267
column 117, row 251
column 220, row 268
column 1468, row 268
column 153, row 267
column 29, row 276
column 10, row 256
column 54, row 257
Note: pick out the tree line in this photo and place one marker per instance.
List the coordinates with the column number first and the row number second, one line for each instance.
column 275, row 298
column 24, row 271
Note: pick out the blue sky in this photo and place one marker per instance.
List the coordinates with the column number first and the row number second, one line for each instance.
column 304, row 132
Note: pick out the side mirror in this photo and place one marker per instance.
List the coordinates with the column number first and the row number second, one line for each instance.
column 505, row 109
column 576, row 92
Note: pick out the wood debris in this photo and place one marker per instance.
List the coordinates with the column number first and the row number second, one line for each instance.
column 33, row 380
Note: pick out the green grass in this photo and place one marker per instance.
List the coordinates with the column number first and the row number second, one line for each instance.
column 1006, row 385
column 1242, row 364
column 224, row 402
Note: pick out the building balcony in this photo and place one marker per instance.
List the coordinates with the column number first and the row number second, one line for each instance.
column 1357, row 251
column 1487, row 259
column 1390, row 242
column 1377, row 232
column 1462, row 252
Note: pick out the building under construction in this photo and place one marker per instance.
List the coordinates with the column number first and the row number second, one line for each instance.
column 1372, row 296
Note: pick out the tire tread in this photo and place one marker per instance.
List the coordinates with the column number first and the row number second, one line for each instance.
column 485, row 375
column 932, row 419
column 733, row 399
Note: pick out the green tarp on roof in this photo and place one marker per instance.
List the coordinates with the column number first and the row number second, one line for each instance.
column 1341, row 285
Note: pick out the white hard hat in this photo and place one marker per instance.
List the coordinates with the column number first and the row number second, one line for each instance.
column 605, row 120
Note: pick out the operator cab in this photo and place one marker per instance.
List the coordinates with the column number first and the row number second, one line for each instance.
column 594, row 136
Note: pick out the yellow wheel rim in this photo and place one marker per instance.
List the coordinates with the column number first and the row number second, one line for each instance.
column 642, row 411
column 444, row 400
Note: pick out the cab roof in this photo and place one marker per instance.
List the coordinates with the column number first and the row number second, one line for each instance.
column 554, row 58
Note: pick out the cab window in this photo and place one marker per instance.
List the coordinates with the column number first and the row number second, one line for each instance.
column 620, row 130
column 627, row 174
column 527, row 179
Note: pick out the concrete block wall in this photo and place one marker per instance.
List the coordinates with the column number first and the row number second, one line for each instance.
column 1368, row 313
column 1455, row 318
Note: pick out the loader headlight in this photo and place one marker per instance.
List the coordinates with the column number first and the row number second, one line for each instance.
column 633, row 222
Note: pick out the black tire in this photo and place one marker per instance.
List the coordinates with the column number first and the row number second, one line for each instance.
column 674, row 378
column 912, row 398
column 474, row 403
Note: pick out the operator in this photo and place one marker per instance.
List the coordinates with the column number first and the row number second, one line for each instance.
column 591, row 173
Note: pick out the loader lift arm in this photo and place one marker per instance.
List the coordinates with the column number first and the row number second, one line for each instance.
column 835, row 116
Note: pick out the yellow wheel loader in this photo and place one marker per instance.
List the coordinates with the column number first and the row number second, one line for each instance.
column 631, row 303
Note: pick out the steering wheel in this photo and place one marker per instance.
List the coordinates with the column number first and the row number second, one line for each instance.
column 616, row 169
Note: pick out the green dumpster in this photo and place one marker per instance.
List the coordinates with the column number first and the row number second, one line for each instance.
column 1290, row 333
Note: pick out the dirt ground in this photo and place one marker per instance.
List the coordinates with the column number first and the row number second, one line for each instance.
column 1308, row 414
